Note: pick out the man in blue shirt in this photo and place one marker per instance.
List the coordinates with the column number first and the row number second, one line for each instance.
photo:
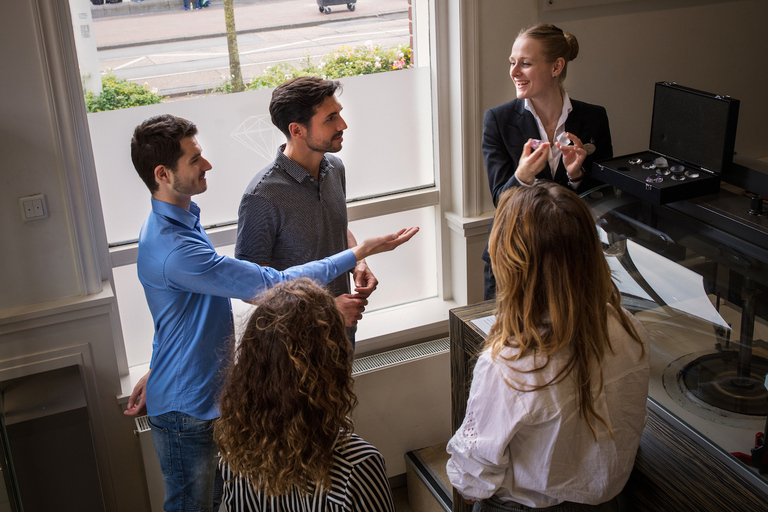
column 188, row 288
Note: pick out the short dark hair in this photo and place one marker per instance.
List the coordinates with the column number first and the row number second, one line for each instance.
column 157, row 141
column 296, row 100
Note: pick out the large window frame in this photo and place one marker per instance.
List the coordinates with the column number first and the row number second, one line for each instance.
column 414, row 321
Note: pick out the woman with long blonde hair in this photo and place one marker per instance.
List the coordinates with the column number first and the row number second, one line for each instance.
column 285, row 434
column 558, row 399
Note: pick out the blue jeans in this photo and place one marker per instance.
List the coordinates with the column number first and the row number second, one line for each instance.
column 188, row 458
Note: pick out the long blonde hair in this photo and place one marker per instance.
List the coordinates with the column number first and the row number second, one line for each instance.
column 554, row 286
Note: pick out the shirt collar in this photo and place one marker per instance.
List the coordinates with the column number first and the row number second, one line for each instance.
column 188, row 218
column 567, row 107
column 296, row 171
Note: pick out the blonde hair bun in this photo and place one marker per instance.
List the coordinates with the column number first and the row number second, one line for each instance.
column 573, row 45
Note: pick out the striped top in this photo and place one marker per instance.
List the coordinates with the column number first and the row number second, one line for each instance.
column 358, row 483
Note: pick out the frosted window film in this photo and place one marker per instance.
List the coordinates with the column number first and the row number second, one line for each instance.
column 387, row 147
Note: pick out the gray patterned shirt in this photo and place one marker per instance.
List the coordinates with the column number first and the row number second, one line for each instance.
column 288, row 218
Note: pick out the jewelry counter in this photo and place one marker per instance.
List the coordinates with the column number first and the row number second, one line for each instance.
column 695, row 273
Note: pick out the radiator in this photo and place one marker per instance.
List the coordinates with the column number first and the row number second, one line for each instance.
column 151, row 465
column 400, row 356
column 404, row 400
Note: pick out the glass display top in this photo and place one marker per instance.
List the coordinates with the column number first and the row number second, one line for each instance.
column 700, row 288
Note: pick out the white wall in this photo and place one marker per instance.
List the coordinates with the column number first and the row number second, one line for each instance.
column 37, row 259
column 405, row 408
column 53, row 311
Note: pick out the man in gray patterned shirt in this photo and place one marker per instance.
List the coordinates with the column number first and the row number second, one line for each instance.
column 294, row 210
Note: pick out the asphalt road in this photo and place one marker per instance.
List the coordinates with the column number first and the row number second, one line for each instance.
column 181, row 53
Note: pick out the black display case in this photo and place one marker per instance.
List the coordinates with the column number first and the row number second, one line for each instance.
column 691, row 147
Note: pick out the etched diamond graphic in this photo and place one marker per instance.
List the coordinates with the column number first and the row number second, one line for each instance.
column 259, row 134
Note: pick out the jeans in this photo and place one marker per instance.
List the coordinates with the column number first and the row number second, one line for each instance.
column 351, row 331
column 493, row 504
column 489, row 280
column 188, row 460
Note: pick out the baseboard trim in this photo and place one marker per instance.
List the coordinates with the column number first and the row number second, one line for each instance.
column 398, row 481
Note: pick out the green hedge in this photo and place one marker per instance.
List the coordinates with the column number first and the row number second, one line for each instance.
column 345, row 61
column 119, row 93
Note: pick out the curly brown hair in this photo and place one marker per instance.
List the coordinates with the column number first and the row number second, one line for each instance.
column 288, row 394
column 554, row 287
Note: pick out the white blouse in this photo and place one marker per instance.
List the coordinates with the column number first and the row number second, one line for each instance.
column 559, row 135
column 533, row 447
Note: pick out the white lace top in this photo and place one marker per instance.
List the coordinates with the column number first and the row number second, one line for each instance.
column 534, row 447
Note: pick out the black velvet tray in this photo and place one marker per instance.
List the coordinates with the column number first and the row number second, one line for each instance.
column 692, row 140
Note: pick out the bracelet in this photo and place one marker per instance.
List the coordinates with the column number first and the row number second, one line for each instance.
column 583, row 172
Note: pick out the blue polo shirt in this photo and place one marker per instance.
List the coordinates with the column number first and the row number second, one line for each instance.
column 188, row 286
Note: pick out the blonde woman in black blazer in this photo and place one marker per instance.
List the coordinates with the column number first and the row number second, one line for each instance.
column 542, row 130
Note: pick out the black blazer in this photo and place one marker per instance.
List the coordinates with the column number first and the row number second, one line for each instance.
column 508, row 127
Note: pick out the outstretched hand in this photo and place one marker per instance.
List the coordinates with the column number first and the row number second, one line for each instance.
column 384, row 243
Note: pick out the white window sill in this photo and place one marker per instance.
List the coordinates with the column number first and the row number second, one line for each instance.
column 378, row 331
column 399, row 325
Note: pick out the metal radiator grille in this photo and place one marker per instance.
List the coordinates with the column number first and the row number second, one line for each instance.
column 400, row 356
column 142, row 424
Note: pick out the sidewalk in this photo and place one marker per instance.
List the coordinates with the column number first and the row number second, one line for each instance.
column 124, row 7
column 150, row 21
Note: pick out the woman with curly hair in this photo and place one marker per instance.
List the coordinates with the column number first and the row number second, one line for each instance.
column 558, row 399
column 285, row 433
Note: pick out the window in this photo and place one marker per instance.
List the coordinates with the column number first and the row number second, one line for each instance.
column 391, row 180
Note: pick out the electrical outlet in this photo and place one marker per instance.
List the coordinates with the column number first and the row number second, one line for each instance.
column 33, row 207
